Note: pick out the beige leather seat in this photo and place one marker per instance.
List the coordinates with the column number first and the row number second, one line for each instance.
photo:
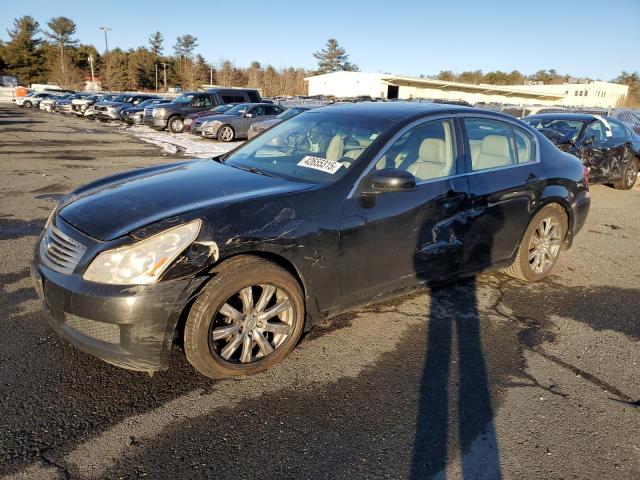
column 493, row 152
column 335, row 150
column 432, row 160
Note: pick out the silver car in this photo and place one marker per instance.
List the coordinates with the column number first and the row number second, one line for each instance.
column 263, row 125
column 234, row 123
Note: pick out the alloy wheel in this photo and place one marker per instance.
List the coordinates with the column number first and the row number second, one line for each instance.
column 226, row 134
column 176, row 125
column 245, row 331
column 544, row 245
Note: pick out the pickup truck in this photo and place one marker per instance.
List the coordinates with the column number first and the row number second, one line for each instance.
column 172, row 114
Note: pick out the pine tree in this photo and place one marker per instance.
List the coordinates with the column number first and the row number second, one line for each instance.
column 61, row 32
column 155, row 41
column 334, row 58
column 21, row 54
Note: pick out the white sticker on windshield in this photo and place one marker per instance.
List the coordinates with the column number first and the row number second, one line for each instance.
column 321, row 164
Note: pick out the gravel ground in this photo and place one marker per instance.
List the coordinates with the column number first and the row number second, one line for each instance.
column 487, row 378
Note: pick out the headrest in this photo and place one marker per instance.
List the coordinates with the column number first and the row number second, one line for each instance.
column 432, row 150
column 495, row 145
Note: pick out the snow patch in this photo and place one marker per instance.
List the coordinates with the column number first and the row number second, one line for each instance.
column 185, row 143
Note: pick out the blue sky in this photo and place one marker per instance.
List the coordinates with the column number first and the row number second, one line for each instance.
column 580, row 37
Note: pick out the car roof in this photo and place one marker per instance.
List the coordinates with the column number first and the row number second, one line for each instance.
column 400, row 110
column 566, row 116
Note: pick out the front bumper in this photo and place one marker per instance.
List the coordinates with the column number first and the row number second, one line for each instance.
column 210, row 131
column 128, row 326
column 106, row 114
column 155, row 122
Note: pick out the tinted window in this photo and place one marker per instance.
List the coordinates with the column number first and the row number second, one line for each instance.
column 426, row 151
column 491, row 143
column 273, row 110
column 257, row 111
column 203, row 101
column 227, row 98
column 253, row 97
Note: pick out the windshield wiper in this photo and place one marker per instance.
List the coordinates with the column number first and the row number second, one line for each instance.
column 255, row 170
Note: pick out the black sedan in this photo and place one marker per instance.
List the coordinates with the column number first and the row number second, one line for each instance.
column 609, row 148
column 334, row 208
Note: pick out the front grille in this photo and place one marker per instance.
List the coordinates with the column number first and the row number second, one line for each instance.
column 59, row 251
column 105, row 332
column 100, row 108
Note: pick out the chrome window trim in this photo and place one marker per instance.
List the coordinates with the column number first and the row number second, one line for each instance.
column 392, row 140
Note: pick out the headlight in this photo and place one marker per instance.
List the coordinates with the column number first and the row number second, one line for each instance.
column 142, row 263
column 158, row 112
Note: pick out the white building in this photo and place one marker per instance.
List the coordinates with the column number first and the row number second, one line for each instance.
column 352, row 84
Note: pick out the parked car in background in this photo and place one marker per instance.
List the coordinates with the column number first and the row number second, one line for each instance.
column 172, row 115
column 48, row 104
column 253, row 247
column 263, row 125
column 606, row 146
column 110, row 110
column 234, row 123
column 196, row 119
column 629, row 117
column 134, row 114
column 32, row 99
column 64, row 105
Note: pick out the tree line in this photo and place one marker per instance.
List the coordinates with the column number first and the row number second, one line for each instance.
column 52, row 54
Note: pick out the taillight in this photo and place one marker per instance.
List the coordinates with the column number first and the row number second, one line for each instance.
column 585, row 174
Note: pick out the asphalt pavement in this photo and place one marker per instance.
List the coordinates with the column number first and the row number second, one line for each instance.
column 485, row 378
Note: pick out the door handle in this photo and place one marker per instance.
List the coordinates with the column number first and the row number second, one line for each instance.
column 452, row 199
column 531, row 178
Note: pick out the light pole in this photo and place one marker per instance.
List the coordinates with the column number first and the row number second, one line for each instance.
column 106, row 54
column 106, row 43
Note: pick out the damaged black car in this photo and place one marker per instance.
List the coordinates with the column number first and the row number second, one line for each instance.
column 235, row 257
column 607, row 147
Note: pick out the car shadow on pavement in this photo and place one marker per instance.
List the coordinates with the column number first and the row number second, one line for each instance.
column 454, row 323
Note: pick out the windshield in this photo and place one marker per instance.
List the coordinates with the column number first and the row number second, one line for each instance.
column 567, row 128
column 238, row 109
column 312, row 147
column 184, row 98
column 290, row 113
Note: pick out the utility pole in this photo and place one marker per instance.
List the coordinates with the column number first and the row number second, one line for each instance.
column 165, row 77
column 93, row 78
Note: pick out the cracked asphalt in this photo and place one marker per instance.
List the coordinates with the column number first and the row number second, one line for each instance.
column 486, row 378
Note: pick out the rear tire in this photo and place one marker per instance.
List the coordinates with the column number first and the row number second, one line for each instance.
column 629, row 176
column 176, row 125
column 541, row 245
column 226, row 329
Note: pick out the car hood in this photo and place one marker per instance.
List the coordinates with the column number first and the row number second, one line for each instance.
column 117, row 205
column 223, row 117
column 203, row 114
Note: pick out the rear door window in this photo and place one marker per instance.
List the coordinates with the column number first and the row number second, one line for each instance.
column 492, row 144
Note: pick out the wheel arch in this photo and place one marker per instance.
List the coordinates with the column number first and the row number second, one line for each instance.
column 311, row 314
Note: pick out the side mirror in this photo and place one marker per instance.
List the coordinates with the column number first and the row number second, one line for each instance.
column 392, row 180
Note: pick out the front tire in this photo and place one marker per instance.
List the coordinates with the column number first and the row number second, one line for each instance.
column 629, row 176
column 226, row 133
column 27, row 104
column 246, row 319
column 541, row 245
column 176, row 125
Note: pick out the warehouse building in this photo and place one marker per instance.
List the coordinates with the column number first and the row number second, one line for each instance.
column 377, row 85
